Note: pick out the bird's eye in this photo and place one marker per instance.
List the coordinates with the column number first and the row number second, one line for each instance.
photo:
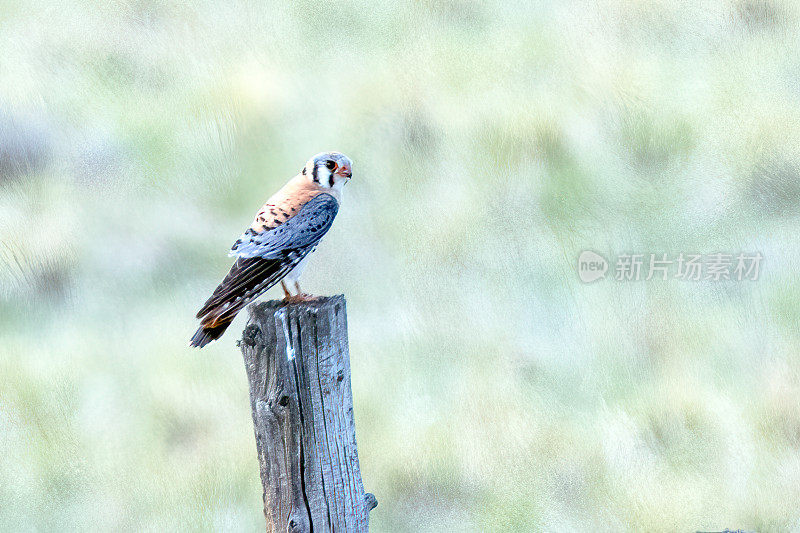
column 330, row 165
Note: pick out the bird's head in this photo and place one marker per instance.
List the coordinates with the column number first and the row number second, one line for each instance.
column 329, row 169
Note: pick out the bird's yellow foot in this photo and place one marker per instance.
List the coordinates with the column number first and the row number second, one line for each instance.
column 302, row 296
column 286, row 294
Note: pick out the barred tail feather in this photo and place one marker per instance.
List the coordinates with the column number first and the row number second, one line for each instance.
column 247, row 279
column 205, row 334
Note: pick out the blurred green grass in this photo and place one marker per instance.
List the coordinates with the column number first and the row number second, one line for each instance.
column 492, row 142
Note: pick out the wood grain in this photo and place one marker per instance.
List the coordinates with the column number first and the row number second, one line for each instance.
column 298, row 366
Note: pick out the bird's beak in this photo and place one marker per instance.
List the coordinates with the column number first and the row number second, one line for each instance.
column 345, row 172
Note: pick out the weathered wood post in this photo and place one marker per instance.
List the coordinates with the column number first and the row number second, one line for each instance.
column 298, row 366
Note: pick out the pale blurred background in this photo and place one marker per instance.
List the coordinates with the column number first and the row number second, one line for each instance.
column 492, row 143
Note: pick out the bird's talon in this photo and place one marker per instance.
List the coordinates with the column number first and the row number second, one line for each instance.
column 300, row 298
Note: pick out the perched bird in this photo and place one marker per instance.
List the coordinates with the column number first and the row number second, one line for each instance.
column 276, row 247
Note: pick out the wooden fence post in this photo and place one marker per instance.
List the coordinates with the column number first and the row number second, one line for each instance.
column 298, row 366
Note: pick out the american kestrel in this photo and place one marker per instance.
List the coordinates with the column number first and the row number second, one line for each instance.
column 277, row 245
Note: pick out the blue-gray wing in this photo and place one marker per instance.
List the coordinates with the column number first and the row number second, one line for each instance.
column 302, row 231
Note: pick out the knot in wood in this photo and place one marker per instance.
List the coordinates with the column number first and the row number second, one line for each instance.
column 249, row 335
column 298, row 524
column 371, row 501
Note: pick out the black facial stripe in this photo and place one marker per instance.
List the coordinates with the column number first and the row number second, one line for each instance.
column 304, row 171
column 314, row 174
column 331, row 180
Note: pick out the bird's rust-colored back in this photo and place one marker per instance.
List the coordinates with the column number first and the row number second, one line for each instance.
column 285, row 203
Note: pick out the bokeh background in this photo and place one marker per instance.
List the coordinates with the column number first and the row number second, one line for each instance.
column 493, row 142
